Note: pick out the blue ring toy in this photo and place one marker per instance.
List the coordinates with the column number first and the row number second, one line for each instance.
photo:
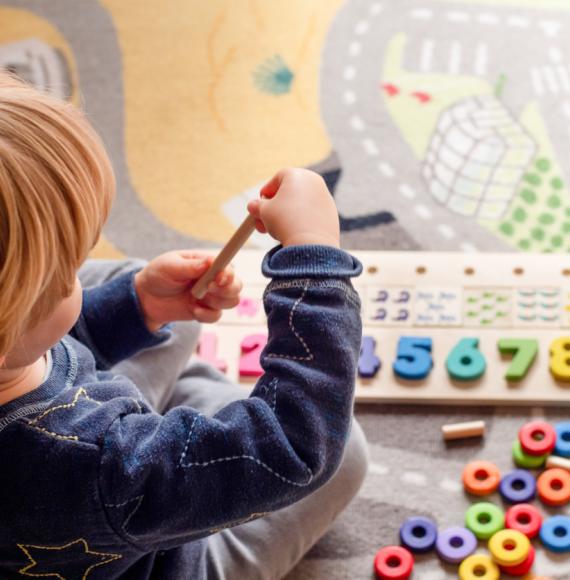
column 555, row 534
column 418, row 534
column 518, row 486
column 562, row 446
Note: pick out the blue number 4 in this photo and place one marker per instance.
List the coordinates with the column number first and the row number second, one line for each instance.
column 413, row 359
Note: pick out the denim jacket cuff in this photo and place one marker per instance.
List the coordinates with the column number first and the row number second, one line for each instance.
column 310, row 261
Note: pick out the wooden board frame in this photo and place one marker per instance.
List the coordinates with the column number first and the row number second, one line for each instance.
column 458, row 277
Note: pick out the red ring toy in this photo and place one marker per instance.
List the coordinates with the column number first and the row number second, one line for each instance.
column 393, row 563
column 534, row 446
column 481, row 477
column 554, row 486
column 525, row 518
column 522, row 568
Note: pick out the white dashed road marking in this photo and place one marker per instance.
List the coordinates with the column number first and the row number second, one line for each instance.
column 386, row 169
column 357, row 123
column 349, row 73
column 423, row 212
column 407, row 191
column 426, row 57
column 422, row 14
column 370, row 146
column 488, row 19
column 349, row 97
column 414, row 478
column 457, row 16
column 446, row 231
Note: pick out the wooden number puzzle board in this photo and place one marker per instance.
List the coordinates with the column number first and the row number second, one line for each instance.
column 444, row 296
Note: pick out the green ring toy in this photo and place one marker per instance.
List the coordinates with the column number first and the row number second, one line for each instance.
column 525, row 460
column 484, row 519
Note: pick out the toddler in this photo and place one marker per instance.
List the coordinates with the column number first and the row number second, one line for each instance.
column 119, row 458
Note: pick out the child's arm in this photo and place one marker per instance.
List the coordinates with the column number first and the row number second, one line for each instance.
column 188, row 475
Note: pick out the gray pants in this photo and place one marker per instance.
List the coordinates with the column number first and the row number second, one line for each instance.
column 266, row 548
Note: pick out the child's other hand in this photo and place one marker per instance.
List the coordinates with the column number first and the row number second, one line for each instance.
column 297, row 208
column 163, row 287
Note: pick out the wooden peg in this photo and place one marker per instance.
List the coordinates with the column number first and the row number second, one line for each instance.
column 240, row 237
column 463, row 430
column 555, row 461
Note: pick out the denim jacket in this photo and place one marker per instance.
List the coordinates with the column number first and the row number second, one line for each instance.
column 96, row 485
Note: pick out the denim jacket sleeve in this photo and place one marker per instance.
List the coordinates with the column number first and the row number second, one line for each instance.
column 111, row 323
column 166, row 480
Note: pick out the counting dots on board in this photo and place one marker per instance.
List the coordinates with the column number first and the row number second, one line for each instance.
column 524, row 353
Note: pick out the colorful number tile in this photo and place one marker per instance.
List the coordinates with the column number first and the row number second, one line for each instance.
column 368, row 363
column 487, row 307
column 207, row 351
column 466, row 362
column 438, row 306
column 251, row 347
column 524, row 351
column 413, row 358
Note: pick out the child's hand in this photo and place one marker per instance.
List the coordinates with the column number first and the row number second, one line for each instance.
column 163, row 288
column 297, row 209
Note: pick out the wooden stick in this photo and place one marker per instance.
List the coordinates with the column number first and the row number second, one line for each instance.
column 461, row 430
column 555, row 461
column 240, row 237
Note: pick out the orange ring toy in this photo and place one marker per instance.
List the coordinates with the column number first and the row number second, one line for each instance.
column 481, row 477
column 554, row 486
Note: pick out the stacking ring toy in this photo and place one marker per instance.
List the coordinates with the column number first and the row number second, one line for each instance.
column 509, row 547
column 537, row 438
column 555, row 534
column 524, row 567
column 479, row 567
column 481, row 477
column 562, row 446
column 525, row 460
column 484, row 519
column 525, row 518
column 518, row 486
column 454, row 544
column 393, row 563
column 554, row 486
column 418, row 534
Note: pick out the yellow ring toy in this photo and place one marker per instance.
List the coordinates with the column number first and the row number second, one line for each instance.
column 509, row 547
column 479, row 567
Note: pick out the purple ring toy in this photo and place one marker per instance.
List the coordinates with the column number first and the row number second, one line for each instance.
column 455, row 544
column 418, row 534
column 518, row 486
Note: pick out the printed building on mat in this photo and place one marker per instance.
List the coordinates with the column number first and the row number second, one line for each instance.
column 476, row 158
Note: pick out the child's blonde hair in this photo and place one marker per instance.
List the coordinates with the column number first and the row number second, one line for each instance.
column 56, row 190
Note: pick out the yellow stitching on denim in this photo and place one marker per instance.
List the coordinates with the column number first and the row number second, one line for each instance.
column 24, row 571
column 33, row 422
column 56, row 435
column 80, row 392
